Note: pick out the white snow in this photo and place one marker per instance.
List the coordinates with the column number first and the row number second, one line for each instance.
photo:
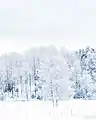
column 36, row 110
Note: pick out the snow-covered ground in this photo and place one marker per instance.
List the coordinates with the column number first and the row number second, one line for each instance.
column 35, row 110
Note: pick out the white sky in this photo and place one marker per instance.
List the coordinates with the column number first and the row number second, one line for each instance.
column 25, row 23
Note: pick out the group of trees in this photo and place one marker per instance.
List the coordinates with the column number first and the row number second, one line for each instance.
column 87, row 84
column 46, row 73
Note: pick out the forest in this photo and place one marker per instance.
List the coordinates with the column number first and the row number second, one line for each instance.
column 44, row 73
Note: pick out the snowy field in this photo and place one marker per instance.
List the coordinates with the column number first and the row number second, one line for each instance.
column 67, row 110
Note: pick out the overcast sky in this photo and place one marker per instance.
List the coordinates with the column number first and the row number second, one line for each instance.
column 25, row 23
